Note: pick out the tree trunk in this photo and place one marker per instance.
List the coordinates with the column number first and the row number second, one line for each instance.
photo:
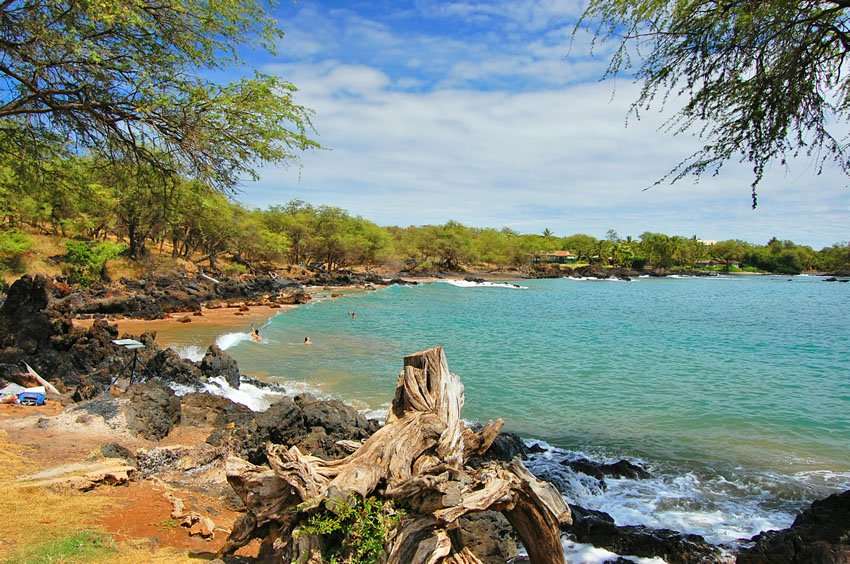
column 418, row 456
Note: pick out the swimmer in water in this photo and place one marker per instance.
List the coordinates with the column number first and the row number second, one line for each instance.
column 307, row 340
column 255, row 334
column 352, row 314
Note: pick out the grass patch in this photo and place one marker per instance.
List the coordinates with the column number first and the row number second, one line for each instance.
column 166, row 524
column 79, row 546
column 31, row 515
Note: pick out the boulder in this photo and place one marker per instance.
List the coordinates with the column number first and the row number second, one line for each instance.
column 312, row 424
column 167, row 365
column 506, row 446
column 489, row 536
column 203, row 408
column 216, row 362
column 820, row 534
column 339, row 420
column 152, row 409
column 620, row 469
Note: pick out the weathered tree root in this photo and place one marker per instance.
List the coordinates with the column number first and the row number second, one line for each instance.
column 418, row 457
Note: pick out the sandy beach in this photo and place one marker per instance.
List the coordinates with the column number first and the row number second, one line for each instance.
column 224, row 317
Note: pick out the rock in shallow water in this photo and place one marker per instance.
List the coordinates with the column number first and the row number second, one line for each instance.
column 218, row 363
column 598, row 528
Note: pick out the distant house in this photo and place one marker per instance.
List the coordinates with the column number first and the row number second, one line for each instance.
column 717, row 262
column 556, row 257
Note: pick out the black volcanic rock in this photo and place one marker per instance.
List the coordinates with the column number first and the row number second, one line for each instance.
column 819, row 535
column 620, row 469
column 218, row 363
column 598, row 528
column 152, row 410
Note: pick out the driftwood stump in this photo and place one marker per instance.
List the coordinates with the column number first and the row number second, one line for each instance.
column 418, row 457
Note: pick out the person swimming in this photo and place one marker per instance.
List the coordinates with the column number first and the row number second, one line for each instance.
column 255, row 334
column 307, row 341
column 352, row 314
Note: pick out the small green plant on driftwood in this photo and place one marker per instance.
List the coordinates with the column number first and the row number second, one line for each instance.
column 355, row 531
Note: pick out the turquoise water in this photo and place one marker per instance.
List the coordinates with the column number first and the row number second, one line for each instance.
column 758, row 368
column 742, row 383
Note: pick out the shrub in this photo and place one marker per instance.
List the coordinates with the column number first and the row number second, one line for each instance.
column 13, row 247
column 86, row 262
column 354, row 531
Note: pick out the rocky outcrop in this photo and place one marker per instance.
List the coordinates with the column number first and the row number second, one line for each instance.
column 599, row 470
column 505, row 447
column 218, row 363
column 167, row 365
column 820, row 534
column 152, row 409
column 314, row 425
column 598, row 528
column 156, row 297
column 35, row 329
column 489, row 536
column 199, row 409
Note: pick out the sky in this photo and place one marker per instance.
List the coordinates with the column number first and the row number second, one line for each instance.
column 486, row 113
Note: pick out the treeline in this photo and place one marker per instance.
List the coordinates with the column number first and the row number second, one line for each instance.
column 97, row 203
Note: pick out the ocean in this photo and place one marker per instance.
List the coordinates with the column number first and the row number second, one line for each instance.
column 733, row 391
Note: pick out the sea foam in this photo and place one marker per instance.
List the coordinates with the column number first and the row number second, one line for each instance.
column 723, row 511
column 228, row 340
column 472, row 284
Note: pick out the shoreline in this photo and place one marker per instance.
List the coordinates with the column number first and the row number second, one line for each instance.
column 236, row 318
column 224, row 317
column 245, row 315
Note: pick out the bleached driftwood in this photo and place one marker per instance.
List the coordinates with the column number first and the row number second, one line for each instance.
column 82, row 476
column 418, row 456
column 192, row 520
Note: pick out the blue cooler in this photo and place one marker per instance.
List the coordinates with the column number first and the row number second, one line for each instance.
column 31, row 398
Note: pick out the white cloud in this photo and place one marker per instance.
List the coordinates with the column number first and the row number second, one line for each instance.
column 414, row 139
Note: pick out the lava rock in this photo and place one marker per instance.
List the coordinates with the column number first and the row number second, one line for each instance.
column 167, row 365
column 489, row 536
column 620, row 469
column 599, row 529
column 216, row 362
column 820, row 534
column 152, row 409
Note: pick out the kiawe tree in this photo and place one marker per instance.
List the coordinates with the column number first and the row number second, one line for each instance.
column 761, row 81
column 129, row 79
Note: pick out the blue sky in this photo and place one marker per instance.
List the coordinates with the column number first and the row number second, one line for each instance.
column 482, row 112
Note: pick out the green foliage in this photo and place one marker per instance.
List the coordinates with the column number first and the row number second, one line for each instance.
column 128, row 78
column 80, row 546
column 13, row 246
column 762, row 81
column 355, row 531
column 87, row 261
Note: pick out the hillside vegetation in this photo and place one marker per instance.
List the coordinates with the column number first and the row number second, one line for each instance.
column 86, row 214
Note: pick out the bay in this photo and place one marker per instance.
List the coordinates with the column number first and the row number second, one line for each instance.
column 734, row 390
